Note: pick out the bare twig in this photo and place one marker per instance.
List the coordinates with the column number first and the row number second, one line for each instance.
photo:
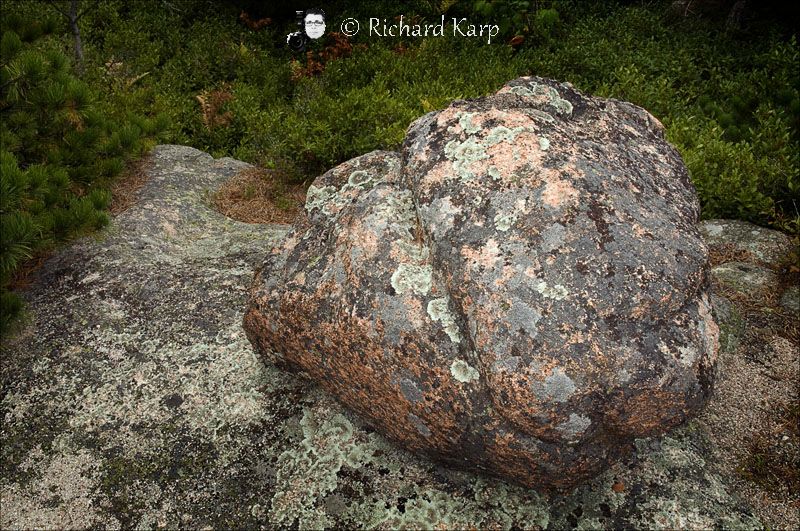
column 73, row 16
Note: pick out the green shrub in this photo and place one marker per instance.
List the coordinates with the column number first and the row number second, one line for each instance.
column 539, row 19
column 58, row 151
column 754, row 179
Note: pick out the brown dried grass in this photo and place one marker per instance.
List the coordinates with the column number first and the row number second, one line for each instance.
column 721, row 254
column 125, row 188
column 256, row 195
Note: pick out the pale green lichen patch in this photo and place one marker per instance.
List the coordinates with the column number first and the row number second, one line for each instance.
column 68, row 479
column 508, row 207
column 561, row 106
column 502, row 133
column 330, row 199
column 540, row 115
column 463, row 372
column 413, row 251
column 518, row 507
column 544, row 143
column 438, row 311
column 464, row 154
column 494, row 173
column 493, row 506
column 465, row 121
column 229, row 396
column 550, row 95
column 556, row 292
column 503, row 222
column 521, row 91
column 670, row 486
column 359, row 178
column 307, row 471
column 317, row 198
column 397, row 211
column 412, row 278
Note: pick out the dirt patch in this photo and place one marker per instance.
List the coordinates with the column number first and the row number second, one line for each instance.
column 258, row 196
column 755, row 410
column 753, row 416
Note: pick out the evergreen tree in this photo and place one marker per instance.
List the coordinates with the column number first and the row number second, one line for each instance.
column 58, row 153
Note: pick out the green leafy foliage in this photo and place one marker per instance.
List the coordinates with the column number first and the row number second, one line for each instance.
column 729, row 101
column 537, row 19
column 58, row 150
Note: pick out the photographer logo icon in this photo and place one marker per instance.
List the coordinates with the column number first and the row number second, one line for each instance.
column 312, row 26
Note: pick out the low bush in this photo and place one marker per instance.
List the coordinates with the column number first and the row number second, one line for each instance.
column 58, row 151
column 729, row 101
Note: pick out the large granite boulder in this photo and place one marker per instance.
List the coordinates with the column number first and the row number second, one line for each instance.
column 522, row 290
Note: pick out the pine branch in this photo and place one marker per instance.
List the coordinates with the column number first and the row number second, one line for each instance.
column 79, row 15
column 11, row 81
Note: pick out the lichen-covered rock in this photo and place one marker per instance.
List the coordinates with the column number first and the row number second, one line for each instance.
column 521, row 291
column 764, row 245
column 132, row 390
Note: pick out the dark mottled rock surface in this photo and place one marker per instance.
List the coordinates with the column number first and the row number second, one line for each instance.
column 522, row 290
column 133, row 399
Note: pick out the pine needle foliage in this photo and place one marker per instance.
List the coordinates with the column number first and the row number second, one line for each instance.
column 58, row 152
